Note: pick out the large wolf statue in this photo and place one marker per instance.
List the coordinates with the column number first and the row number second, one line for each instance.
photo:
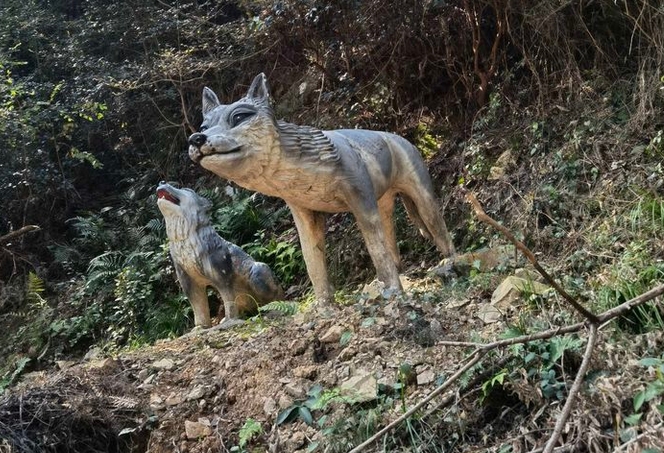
column 318, row 172
column 202, row 258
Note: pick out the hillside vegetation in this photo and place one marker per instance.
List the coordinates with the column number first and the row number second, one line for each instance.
column 550, row 113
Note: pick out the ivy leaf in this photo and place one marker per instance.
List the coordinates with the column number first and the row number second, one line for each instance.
column 288, row 415
column 639, row 399
column 633, row 419
column 650, row 361
column 305, row 415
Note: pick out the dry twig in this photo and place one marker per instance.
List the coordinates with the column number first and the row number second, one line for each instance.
column 475, row 357
column 16, row 233
column 479, row 212
column 573, row 391
column 481, row 349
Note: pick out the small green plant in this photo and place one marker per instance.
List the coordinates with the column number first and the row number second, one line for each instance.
column 652, row 391
column 346, row 336
column 248, row 432
column 286, row 308
column 10, row 376
column 654, row 388
column 496, row 379
column 542, row 361
column 283, row 256
column 426, row 142
column 656, row 146
column 302, row 409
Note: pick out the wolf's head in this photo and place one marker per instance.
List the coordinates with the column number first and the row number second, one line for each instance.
column 235, row 140
column 184, row 211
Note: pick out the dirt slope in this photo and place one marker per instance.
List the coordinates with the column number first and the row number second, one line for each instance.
column 195, row 393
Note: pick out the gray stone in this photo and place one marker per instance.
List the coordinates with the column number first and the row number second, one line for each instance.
column 104, row 364
column 361, row 387
column 489, row 314
column 295, row 390
column 196, row 430
column 156, row 402
column 511, row 289
column 306, row 372
column 174, row 399
column 285, row 401
column 64, row 364
column 270, row 406
column 197, row 393
column 164, row 364
column 143, row 374
column 332, row 335
column 425, row 377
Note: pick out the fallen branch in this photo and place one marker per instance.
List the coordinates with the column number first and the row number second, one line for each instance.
column 21, row 231
column 481, row 349
column 481, row 215
column 608, row 315
column 573, row 391
column 477, row 357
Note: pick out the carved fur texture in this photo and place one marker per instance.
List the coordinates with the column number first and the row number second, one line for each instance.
column 317, row 172
column 202, row 258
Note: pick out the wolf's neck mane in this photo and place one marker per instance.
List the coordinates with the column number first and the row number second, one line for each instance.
column 306, row 141
column 183, row 228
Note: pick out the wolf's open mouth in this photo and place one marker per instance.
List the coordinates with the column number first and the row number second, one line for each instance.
column 166, row 195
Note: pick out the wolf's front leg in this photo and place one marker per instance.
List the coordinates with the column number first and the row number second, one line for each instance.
column 197, row 296
column 311, row 229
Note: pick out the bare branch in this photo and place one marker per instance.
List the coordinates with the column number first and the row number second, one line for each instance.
column 21, row 231
column 626, row 306
column 479, row 212
column 475, row 357
column 573, row 391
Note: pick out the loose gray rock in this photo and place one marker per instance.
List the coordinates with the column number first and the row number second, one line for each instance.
column 332, row 335
column 361, row 387
column 164, row 364
column 197, row 430
column 426, row 377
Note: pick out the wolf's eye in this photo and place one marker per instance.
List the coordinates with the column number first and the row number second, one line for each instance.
column 202, row 128
column 239, row 117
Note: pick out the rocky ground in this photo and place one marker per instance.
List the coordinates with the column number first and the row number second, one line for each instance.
column 314, row 380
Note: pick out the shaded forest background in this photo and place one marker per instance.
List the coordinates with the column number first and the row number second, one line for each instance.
column 551, row 111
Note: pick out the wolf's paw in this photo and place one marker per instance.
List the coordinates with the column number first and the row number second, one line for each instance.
column 325, row 309
column 227, row 324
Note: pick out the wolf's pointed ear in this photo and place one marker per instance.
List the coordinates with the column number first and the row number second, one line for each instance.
column 259, row 90
column 210, row 100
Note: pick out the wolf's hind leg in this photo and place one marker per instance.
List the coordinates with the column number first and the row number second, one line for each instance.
column 365, row 209
column 263, row 283
column 423, row 210
column 386, row 212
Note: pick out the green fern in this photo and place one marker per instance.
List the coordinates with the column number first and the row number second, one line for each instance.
column 104, row 267
column 34, row 290
column 156, row 225
column 249, row 430
column 8, row 379
column 283, row 307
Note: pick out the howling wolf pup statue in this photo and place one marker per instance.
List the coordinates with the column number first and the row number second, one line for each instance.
column 202, row 258
column 317, row 172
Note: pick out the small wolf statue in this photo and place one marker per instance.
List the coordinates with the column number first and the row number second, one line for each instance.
column 202, row 258
column 319, row 172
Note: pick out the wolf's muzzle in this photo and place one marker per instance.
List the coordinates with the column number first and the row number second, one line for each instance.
column 197, row 139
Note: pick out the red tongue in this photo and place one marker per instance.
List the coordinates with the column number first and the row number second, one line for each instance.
column 164, row 194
